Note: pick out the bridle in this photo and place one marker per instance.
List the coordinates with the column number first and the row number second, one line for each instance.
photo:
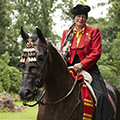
column 41, row 97
column 39, row 76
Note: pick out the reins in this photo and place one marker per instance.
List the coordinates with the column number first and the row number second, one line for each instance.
column 52, row 103
column 71, row 90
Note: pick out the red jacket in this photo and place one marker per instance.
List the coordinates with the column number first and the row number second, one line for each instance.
column 89, row 47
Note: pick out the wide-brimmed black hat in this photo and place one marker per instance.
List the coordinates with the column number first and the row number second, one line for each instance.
column 80, row 9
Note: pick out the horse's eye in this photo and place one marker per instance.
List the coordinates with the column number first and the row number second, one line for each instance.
column 40, row 58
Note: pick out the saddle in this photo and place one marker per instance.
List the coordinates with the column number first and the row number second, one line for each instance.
column 88, row 81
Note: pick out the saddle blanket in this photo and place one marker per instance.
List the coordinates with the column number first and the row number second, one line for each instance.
column 88, row 106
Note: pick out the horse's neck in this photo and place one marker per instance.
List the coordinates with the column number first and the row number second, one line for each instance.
column 57, row 85
column 59, row 80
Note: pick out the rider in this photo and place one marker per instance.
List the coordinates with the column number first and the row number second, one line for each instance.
column 81, row 48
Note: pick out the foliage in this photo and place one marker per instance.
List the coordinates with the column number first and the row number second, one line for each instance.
column 4, row 111
column 114, row 10
column 5, row 22
column 10, row 77
column 115, row 54
column 66, row 7
column 7, row 33
column 109, row 73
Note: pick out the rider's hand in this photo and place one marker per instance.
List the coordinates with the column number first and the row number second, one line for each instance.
column 78, row 67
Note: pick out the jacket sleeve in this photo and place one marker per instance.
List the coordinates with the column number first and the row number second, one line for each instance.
column 95, row 53
column 63, row 38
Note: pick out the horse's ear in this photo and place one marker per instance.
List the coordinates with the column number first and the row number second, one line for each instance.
column 40, row 35
column 24, row 35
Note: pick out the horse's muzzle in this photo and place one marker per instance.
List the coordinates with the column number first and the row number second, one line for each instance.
column 25, row 94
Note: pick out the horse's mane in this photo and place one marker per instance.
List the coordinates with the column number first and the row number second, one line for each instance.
column 55, row 51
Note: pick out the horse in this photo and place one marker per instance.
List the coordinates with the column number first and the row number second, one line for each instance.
column 62, row 97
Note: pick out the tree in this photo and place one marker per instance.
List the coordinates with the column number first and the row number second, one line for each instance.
column 5, row 22
column 10, row 77
column 108, row 73
column 36, row 13
column 115, row 54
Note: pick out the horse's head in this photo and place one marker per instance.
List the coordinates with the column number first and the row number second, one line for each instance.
column 34, row 62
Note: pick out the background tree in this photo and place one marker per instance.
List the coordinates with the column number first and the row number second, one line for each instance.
column 10, row 77
column 5, row 22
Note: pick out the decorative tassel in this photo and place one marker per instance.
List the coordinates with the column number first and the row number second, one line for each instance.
column 30, row 53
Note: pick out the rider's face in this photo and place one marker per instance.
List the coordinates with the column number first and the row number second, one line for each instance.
column 80, row 20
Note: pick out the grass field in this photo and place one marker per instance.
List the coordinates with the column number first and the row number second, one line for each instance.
column 27, row 114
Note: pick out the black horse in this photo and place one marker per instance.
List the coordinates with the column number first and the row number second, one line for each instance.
column 60, row 101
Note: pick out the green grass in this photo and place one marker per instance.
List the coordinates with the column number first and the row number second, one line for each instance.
column 27, row 114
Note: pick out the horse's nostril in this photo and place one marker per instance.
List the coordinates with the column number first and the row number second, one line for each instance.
column 28, row 92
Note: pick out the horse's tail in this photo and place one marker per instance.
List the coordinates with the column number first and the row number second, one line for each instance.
column 118, row 105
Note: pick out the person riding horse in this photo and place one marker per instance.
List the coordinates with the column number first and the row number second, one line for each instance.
column 81, row 48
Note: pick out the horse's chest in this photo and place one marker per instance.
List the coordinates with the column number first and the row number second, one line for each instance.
column 61, row 112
